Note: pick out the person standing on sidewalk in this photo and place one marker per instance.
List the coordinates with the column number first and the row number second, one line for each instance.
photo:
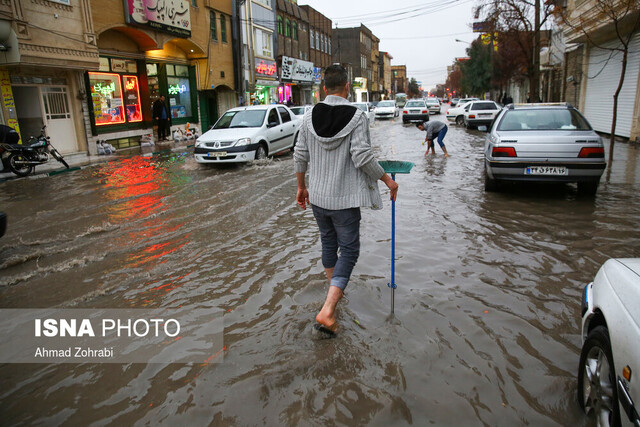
column 434, row 129
column 162, row 117
column 334, row 143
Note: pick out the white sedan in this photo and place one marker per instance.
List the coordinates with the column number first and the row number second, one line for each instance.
column 386, row 110
column 250, row 133
column 364, row 106
column 609, row 370
column 456, row 114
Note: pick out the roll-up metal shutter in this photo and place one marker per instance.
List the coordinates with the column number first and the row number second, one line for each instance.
column 605, row 67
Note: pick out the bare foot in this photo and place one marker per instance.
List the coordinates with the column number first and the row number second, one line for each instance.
column 326, row 321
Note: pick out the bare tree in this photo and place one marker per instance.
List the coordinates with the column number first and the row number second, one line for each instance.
column 624, row 17
column 526, row 17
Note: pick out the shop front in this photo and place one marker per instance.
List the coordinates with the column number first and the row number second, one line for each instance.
column 266, row 83
column 297, row 77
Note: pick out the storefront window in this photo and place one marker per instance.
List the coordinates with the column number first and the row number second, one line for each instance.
column 106, row 96
column 179, row 91
column 132, row 99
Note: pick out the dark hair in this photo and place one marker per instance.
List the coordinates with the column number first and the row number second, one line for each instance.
column 335, row 77
column 420, row 124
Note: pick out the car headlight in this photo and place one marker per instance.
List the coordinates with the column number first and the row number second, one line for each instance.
column 243, row 141
column 198, row 143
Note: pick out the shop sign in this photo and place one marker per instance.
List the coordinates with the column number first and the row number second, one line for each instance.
column 173, row 17
column 297, row 70
column 317, row 75
column 176, row 89
column 265, row 67
column 360, row 83
column 267, row 82
column 124, row 66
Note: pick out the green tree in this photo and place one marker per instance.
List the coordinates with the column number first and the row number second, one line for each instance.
column 477, row 71
column 414, row 89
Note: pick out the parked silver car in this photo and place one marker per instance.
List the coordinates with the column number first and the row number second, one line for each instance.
column 608, row 382
column 543, row 142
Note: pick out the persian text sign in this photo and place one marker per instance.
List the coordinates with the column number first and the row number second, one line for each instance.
column 297, row 70
column 180, row 335
column 169, row 16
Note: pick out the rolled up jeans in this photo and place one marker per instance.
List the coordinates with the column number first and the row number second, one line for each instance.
column 340, row 237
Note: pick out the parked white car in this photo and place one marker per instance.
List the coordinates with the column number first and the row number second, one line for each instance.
column 480, row 113
column 609, row 370
column 243, row 134
column 386, row 110
column 364, row 106
column 456, row 114
column 433, row 105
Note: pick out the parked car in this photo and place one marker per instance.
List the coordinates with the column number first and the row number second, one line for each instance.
column 243, row 134
column 608, row 380
column 386, row 110
column 480, row 113
column 456, row 114
column 299, row 111
column 545, row 143
column 364, row 106
column 433, row 105
column 415, row 110
column 454, row 102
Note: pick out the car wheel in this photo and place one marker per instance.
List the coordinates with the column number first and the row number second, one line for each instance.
column 588, row 188
column 490, row 184
column 460, row 120
column 597, row 391
column 261, row 152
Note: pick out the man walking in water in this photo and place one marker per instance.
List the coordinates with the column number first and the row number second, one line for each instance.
column 334, row 142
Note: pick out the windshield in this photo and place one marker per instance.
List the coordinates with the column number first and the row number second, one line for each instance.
column 414, row 104
column 552, row 119
column 297, row 110
column 241, row 119
column 386, row 104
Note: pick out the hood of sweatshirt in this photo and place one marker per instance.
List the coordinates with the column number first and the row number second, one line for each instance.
column 331, row 122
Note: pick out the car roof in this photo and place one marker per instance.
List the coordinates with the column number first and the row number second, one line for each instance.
column 255, row 107
column 540, row 105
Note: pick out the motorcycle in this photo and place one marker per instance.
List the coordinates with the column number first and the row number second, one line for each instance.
column 21, row 159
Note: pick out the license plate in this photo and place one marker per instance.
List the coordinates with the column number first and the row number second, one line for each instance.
column 546, row 170
column 216, row 154
column 485, row 115
column 414, row 111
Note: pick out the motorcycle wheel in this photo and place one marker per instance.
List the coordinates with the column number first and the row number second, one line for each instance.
column 20, row 170
column 59, row 157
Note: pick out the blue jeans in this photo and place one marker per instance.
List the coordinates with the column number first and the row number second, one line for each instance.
column 440, row 136
column 339, row 229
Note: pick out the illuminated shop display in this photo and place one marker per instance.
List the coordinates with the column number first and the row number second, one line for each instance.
column 106, row 97
column 132, row 98
column 179, row 90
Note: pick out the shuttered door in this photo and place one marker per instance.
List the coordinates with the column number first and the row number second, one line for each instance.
column 605, row 67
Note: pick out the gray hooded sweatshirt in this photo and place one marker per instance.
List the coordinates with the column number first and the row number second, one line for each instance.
column 334, row 143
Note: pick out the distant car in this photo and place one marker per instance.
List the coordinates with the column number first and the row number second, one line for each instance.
column 454, row 102
column 544, row 143
column 433, row 105
column 386, row 110
column 480, row 113
column 249, row 133
column 364, row 106
column 456, row 114
column 608, row 380
column 415, row 110
column 299, row 111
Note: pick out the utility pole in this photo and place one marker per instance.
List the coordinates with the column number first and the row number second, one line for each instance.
column 535, row 80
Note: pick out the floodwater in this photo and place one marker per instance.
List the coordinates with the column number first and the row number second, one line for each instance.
column 486, row 328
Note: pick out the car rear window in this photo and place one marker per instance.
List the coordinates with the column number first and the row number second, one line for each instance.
column 481, row 106
column 414, row 104
column 433, row 101
column 241, row 119
column 541, row 119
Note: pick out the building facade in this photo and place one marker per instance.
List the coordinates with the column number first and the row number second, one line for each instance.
column 296, row 69
column 385, row 75
column 47, row 47
column 399, row 80
column 144, row 54
column 354, row 46
column 259, row 49
column 320, row 48
column 594, row 60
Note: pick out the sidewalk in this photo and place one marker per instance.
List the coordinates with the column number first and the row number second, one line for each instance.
column 78, row 161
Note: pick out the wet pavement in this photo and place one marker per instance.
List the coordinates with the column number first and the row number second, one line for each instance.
column 486, row 325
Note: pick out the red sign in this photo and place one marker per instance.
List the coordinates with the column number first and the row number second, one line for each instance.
column 265, row 69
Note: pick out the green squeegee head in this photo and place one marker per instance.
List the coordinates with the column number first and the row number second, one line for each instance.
column 396, row 166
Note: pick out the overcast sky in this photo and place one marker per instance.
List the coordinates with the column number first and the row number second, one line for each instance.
column 418, row 34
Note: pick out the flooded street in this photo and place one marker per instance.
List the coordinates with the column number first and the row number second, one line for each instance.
column 487, row 310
